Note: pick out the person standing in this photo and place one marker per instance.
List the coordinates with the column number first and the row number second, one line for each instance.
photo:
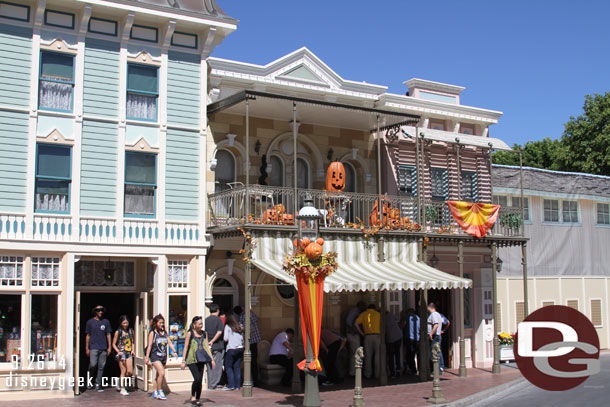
column 393, row 340
column 353, row 337
column 331, row 344
column 255, row 338
column 214, row 328
column 97, row 344
column 123, row 344
column 234, row 337
column 370, row 320
column 156, row 354
column 196, row 355
column 435, row 326
column 282, row 352
column 412, row 339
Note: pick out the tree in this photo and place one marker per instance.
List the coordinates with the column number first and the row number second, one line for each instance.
column 586, row 138
column 538, row 154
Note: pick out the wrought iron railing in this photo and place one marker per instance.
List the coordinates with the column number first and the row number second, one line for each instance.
column 276, row 206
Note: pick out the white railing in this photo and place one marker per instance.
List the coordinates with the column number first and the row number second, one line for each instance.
column 62, row 228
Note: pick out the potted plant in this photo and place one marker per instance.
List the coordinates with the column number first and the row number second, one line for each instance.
column 506, row 346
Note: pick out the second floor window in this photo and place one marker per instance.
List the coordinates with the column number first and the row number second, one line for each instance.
column 140, row 184
column 142, row 92
column 439, row 184
column 570, row 211
column 56, row 85
column 407, row 178
column 469, row 186
column 603, row 214
column 53, row 178
column 551, row 210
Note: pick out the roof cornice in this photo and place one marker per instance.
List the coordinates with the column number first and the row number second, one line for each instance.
column 431, row 85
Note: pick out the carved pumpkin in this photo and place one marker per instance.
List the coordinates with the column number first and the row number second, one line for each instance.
column 320, row 241
column 313, row 250
column 335, row 177
column 280, row 209
column 305, row 242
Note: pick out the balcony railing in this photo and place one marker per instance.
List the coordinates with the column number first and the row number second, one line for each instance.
column 102, row 230
column 276, row 206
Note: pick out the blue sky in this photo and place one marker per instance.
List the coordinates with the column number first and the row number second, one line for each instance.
column 533, row 60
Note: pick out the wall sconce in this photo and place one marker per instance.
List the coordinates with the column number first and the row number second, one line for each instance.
column 368, row 177
column 354, row 154
column 329, row 156
column 257, row 147
column 230, row 263
column 434, row 261
column 269, row 168
column 231, row 139
column 213, row 163
column 499, row 264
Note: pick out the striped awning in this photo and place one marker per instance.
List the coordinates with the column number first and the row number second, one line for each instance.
column 359, row 268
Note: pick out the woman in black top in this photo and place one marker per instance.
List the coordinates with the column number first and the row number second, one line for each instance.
column 123, row 345
column 156, row 353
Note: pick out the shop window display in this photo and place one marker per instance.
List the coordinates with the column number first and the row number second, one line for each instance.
column 177, row 321
column 10, row 327
column 44, row 326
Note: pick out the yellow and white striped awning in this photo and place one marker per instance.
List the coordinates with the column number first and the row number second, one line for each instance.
column 359, row 268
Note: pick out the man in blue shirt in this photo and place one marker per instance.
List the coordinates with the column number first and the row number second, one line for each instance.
column 411, row 335
column 97, row 344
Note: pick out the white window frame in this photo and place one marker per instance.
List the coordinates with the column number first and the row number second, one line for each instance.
column 54, row 284
column 551, row 222
column 563, row 202
column 597, row 214
column 15, row 263
column 601, row 310
column 178, row 286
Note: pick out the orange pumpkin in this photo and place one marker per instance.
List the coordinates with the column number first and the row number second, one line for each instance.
column 296, row 242
column 280, row 209
column 313, row 250
column 305, row 242
column 335, row 177
column 320, row 241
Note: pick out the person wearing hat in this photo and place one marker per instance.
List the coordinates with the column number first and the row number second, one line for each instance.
column 97, row 344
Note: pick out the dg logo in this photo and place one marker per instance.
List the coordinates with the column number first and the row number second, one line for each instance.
column 557, row 348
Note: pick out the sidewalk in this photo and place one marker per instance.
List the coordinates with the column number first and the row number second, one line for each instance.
column 398, row 393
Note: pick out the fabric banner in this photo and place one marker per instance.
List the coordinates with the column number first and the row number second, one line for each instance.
column 311, row 301
column 474, row 218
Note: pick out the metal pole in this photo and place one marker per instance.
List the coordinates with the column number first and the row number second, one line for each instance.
column 417, row 176
column 491, row 178
column 522, row 200
column 423, row 355
column 423, row 176
column 247, row 388
column 459, row 172
column 297, row 387
column 295, row 157
column 247, row 205
column 383, row 374
column 312, row 391
column 437, row 394
column 462, row 342
column 496, row 340
column 358, row 360
column 379, row 207
column 525, row 288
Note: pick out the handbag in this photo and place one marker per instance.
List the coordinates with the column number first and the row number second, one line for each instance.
column 201, row 354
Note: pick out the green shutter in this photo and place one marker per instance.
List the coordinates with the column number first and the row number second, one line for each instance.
column 140, row 168
column 142, row 79
column 53, row 161
column 57, row 66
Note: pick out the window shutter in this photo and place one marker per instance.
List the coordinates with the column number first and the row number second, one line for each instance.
column 573, row 304
column 407, row 179
column 445, row 184
column 475, row 188
column 519, row 311
column 596, row 312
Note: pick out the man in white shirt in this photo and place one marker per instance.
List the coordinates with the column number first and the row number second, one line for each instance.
column 281, row 353
column 435, row 326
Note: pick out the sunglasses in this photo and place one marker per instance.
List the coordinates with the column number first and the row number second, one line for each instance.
column 99, row 310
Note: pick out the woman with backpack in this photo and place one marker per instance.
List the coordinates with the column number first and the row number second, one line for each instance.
column 196, row 355
column 123, row 345
column 156, row 354
column 233, row 336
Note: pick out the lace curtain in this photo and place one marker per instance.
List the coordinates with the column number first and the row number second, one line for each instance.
column 55, row 95
column 52, row 202
column 139, row 200
column 141, row 107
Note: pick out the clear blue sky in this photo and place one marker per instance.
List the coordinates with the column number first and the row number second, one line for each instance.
column 533, row 60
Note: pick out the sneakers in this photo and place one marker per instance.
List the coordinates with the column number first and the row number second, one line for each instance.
column 99, row 388
column 124, row 392
column 118, row 387
column 327, row 383
column 227, row 388
column 161, row 395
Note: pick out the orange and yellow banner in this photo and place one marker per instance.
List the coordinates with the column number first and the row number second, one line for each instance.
column 311, row 301
column 474, row 218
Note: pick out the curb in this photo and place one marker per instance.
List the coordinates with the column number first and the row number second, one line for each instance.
column 474, row 398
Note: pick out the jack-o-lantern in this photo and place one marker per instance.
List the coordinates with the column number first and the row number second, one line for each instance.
column 313, row 250
column 335, row 177
column 305, row 242
column 320, row 241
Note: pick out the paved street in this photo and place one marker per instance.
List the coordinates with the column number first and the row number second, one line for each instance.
column 398, row 393
column 592, row 393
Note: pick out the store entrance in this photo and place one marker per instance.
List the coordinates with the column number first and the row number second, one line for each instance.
column 442, row 300
column 116, row 304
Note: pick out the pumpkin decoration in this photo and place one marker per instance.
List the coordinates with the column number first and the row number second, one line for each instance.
column 280, row 209
column 335, row 177
column 320, row 241
column 305, row 242
column 313, row 251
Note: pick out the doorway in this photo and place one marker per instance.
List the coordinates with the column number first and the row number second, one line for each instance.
column 225, row 293
column 116, row 304
column 442, row 300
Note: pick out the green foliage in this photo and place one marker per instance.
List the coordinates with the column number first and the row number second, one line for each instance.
column 583, row 147
column 511, row 220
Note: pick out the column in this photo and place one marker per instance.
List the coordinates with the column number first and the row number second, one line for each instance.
column 496, row 341
column 462, row 372
column 525, row 288
column 160, row 287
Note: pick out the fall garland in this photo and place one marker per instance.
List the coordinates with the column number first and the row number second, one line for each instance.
column 308, row 260
column 249, row 247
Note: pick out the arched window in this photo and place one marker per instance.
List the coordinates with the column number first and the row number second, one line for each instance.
column 225, row 170
column 303, row 174
column 276, row 178
column 225, row 293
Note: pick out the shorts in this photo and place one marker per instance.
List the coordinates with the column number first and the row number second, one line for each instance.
column 157, row 358
column 124, row 356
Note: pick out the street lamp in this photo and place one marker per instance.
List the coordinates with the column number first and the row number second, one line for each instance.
column 499, row 264
column 309, row 223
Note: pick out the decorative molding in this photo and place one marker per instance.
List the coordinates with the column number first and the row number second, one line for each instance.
column 127, row 27
column 55, row 137
column 144, row 33
column 169, row 33
column 209, row 42
column 55, row 18
column 185, row 40
column 59, row 45
column 39, row 14
column 14, row 11
column 99, row 25
column 144, row 57
column 84, row 21
column 142, row 146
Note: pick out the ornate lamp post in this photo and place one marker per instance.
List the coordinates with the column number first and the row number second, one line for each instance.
column 309, row 222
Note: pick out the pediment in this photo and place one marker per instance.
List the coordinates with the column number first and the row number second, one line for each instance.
column 143, row 146
column 301, row 72
column 55, row 137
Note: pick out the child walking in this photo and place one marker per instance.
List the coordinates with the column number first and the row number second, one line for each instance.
column 123, row 344
column 156, row 354
column 196, row 355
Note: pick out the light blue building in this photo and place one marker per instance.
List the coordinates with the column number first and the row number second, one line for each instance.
column 102, row 167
